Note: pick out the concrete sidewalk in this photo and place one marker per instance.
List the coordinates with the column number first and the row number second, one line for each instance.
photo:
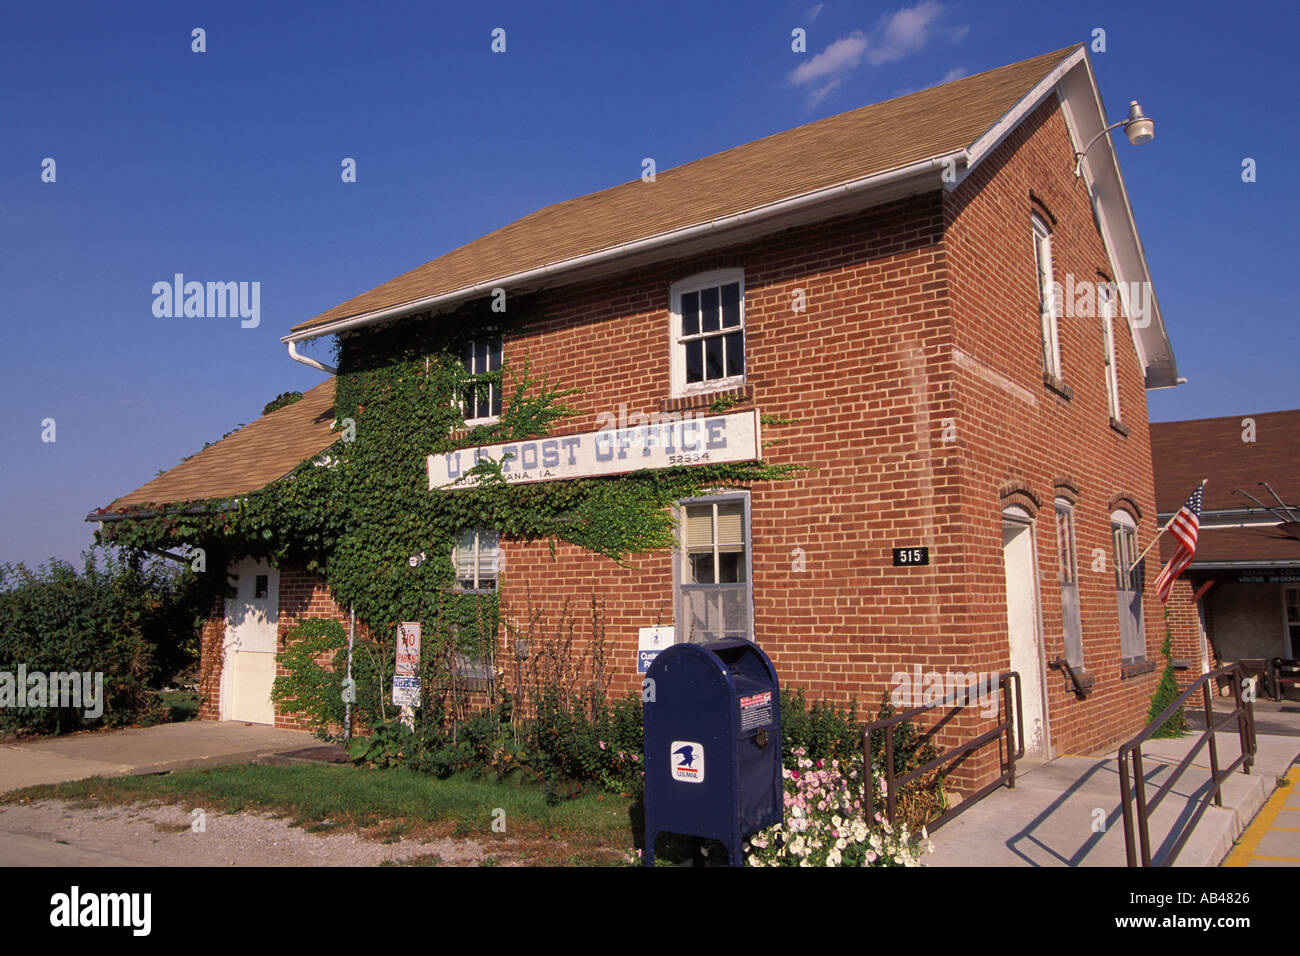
column 182, row 746
column 1066, row 812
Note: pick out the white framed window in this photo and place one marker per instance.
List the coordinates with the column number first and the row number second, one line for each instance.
column 1107, row 303
column 708, row 332
column 1047, row 304
column 481, row 402
column 477, row 560
column 1068, row 575
column 714, row 569
column 1129, row 583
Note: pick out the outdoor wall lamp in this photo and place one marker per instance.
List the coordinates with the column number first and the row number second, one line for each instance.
column 1136, row 125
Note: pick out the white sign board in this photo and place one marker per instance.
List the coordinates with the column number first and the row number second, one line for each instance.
column 406, row 679
column 406, row 691
column 708, row 440
column 649, row 642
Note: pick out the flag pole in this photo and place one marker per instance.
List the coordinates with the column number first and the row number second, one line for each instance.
column 1157, row 537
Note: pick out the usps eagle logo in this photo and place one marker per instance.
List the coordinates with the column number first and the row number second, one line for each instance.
column 686, row 758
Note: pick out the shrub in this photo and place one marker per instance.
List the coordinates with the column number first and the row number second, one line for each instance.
column 132, row 620
column 1167, row 692
column 825, row 823
column 823, row 730
column 589, row 742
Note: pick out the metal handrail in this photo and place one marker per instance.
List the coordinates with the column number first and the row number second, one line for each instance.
column 1011, row 720
column 1244, row 715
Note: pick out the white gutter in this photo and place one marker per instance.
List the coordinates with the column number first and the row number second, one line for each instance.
column 293, row 354
column 772, row 210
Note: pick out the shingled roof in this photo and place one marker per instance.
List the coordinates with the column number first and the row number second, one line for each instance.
column 259, row 453
column 839, row 149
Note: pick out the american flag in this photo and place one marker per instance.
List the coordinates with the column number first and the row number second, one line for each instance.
column 1185, row 527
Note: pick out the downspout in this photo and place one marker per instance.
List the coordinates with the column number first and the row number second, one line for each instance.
column 347, row 708
column 293, row 354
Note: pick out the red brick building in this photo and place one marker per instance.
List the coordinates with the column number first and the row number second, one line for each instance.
column 962, row 329
column 1239, row 599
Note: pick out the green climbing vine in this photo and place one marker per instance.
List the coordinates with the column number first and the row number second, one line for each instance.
column 361, row 514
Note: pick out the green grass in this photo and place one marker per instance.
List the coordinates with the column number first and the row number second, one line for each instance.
column 319, row 797
column 591, row 829
column 182, row 704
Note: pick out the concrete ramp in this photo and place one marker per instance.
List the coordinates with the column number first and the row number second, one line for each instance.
column 1066, row 812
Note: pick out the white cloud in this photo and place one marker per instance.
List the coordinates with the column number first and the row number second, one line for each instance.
column 840, row 57
column 813, row 13
column 895, row 36
column 817, row 95
column 956, row 73
column 903, row 31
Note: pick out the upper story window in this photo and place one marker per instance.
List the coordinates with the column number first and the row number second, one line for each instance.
column 708, row 332
column 481, row 403
column 1106, row 303
column 1047, row 304
column 477, row 559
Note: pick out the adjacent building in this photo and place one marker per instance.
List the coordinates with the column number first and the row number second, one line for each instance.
column 1239, row 599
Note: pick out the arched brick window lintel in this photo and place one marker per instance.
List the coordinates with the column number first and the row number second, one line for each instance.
column 1019, row 493
column 1064, row 486
column 1124, row 501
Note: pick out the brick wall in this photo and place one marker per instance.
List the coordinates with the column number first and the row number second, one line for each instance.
column 1015, row 431
column 211, row 639
column 303, row 595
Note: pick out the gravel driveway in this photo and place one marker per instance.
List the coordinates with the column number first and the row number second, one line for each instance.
column 58, row 833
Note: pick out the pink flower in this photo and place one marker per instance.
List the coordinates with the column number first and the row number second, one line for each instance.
column 602, row 745
column 635, row 758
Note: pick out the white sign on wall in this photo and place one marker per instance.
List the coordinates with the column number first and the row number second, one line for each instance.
column 649, row 642
column 708, row 440
column 406, row 675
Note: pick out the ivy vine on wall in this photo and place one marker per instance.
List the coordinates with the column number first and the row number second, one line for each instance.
column 361, row 514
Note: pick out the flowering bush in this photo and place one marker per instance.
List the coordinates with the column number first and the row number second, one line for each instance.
column 825, row 823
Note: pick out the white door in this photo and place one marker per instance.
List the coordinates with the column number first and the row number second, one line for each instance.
column 248, row 663
column 1022, row 627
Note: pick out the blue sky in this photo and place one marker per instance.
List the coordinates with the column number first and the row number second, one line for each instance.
column 225, row 165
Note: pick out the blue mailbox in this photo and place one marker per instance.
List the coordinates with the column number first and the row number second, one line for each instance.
column 712, row 744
